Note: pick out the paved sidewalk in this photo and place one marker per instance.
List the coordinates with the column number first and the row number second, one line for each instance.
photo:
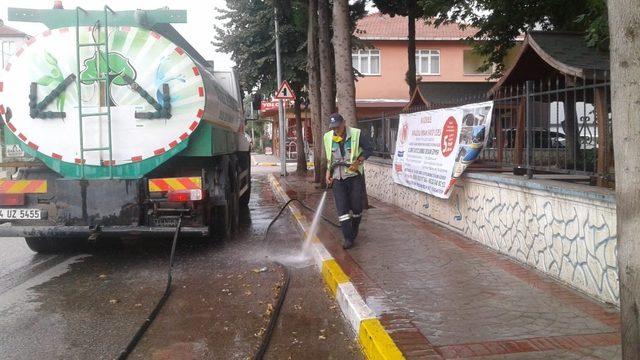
column 272, row 160
column 441, row 295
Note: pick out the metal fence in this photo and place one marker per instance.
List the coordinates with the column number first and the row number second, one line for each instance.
column 555, row 126
column 382, row 132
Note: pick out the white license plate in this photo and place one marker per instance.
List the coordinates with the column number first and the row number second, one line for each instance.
column 20, row 214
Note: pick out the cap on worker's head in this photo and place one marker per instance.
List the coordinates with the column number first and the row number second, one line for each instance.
column 335, row 120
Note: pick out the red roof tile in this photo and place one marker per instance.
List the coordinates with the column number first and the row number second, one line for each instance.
column 8, row 31
column 377, row 26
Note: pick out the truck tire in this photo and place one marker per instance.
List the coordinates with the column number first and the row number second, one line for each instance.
column 46, row 245
column 245, row 163
column 225, row 217
column 43, row 245
column 244, row 199
column 234, row 198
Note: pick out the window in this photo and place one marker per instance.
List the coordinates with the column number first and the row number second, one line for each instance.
column 472, row 61
column 367, row 62
column 7, row 50
column 428, row 62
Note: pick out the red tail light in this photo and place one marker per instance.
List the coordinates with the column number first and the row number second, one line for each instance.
column 11, row 199
column 184, row 195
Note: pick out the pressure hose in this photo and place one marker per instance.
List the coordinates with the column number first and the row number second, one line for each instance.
column 167, row 291
column 264, row 343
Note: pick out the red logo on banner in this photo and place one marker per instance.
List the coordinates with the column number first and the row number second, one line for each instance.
column 449, row 136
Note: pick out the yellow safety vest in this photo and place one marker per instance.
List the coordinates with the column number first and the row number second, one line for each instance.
column 355, row 147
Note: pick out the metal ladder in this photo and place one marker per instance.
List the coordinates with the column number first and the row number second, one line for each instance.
column 99, row 78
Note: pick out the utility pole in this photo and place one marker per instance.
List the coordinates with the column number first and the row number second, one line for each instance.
column 283, row 128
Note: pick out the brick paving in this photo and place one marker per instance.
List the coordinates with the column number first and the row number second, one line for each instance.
column 441, row 295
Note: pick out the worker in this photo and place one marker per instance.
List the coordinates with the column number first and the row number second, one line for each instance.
column 346, row 151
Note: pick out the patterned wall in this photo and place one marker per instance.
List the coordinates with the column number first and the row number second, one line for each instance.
column 570, row 235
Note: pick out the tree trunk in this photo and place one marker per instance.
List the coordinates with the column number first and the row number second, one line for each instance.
column 625, row 77
column 345, row 87
column 327, row 78
column 301, row 167
column 411, row 48
column 313, row 69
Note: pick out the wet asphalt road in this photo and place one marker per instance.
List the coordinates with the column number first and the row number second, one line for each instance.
column 88, row 305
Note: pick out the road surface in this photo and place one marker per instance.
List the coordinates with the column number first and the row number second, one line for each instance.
column 88, row 305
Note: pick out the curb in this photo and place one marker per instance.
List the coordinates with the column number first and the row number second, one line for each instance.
column 374, row 339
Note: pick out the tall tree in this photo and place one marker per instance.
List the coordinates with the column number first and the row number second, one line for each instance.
column 246, row 31
column 327, row 75
column 500, row 22
column 313, row 69
column 345, row 86
column 412, row 11
column 625, row 77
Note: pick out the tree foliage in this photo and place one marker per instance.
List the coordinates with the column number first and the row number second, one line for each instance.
column 397, row 7
column 500, row 22
column 247, row 33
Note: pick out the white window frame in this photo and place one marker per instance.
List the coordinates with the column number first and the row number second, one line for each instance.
column 369, row 53
column 8, row 48
column 429, row 54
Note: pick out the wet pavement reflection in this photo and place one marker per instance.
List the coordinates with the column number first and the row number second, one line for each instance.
column 88, row 305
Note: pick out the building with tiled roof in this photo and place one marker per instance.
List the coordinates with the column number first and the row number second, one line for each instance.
column 10, row 40
column 442, row 55
column 377, row 26
column 8, row 31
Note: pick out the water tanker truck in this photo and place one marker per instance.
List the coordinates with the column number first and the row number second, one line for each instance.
column 121, row 128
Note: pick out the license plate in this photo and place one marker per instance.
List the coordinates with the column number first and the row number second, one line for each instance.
column 20, row 214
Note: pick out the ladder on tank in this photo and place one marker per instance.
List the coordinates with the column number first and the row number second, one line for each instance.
column 98, row 45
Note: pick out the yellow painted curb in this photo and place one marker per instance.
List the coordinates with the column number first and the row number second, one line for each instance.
column 333, row 275
column 373, row 338
column 375, row 341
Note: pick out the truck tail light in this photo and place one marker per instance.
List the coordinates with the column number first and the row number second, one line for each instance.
column 11, row 199
column 184, row 195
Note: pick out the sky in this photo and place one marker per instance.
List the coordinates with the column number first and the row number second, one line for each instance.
column 201, row 15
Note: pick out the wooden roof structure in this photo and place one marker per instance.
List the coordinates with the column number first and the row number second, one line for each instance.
column 548, row 53
column 447, row 93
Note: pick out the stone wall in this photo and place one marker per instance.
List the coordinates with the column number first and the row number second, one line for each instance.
column 565, row 230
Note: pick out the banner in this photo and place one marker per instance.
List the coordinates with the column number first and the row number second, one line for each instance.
column 434, row 147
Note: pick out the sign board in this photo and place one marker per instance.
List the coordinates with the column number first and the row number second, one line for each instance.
column 268, row 105
column 13, row 150
column 284, row 92
column 434, row 147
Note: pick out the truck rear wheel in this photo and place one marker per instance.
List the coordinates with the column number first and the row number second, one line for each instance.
column 43, row 245
column 245, row 163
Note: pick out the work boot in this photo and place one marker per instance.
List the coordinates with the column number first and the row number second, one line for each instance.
column 355, row 222
column 347, row 243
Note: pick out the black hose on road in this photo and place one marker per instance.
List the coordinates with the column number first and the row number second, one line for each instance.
column 264, row 344
column 266, row 338
column 167, row 291
column 304, row 206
